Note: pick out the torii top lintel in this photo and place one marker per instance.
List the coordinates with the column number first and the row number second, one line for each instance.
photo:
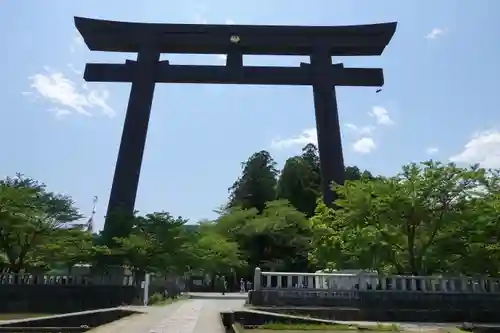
column 355, row 40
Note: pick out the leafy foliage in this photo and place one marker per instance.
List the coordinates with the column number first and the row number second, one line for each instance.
column 299, row 184
column 216, row 253
column 257, row 184
column 155, row 244
column 68, row 247
column 29, row 214
column 300, row 180
column 430, row 218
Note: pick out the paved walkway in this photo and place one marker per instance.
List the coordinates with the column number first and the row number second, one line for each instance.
column 187, row 316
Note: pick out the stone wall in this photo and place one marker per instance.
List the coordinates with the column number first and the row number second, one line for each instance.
column 385, row 305
column 59, row 298
column 73, row 322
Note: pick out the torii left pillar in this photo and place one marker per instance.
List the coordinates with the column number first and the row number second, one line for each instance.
column 133, row 140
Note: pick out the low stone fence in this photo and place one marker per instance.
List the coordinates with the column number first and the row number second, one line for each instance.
column 366, row 296
column 50, row 294
column 52, row 279
column 371, row 281
column 71, row 322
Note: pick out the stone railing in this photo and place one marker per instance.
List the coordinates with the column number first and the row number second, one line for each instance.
column 365, row 281
column 365, row 296
column 44, row 279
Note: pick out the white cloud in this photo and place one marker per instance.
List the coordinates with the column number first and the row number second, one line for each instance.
column 381, row 115
column 74, row 69
column 435, row 33
column 98, row 98
column 66, row 96
column 307, row 136
column 364, row 145
column 363, row 130
column 60, row 113
column 76, row 43
column 482, row 148
column 432, row 150
column 363, row 135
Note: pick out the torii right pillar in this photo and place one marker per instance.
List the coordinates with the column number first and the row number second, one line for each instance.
column 326, row 111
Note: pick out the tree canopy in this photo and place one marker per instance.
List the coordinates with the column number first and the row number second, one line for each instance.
column 429, row 218
column 29, row 215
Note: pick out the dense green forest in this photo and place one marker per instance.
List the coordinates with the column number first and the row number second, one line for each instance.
column 430, row 218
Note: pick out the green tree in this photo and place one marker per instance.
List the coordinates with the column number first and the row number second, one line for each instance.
column 277, row 238
column 257, row 184
column 354, row 173
column 473, row 247
column 155, row 244
column 215, row 253
column 310, row 155
column 67, row 247
column 29, row 213
column 280, row 238
column 300, row 179
column 299, row 184
column 415, row 222
column 118, row 225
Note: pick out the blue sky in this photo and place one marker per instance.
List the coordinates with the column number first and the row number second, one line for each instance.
column 440, row 98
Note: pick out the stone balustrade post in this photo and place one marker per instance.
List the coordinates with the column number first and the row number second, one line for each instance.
column 413, row 283
column 464, row 284
column 402, row 281
column 423, row 284
column 443, row 286
column 393, row 283
column 310, row 282
column 256, row 279
column 383, row 282
column 361, row 282
column 485, row 283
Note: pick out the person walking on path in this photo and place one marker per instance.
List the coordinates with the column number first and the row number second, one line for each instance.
column 224, row 285
column 242, row 285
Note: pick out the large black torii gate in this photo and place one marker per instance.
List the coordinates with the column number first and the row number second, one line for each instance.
column 149, row 40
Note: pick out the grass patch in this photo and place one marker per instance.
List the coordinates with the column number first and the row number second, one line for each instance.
column 297, row 330
column 456, row 330
column 14, row 316
column 329, row 327
column 162, row 301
